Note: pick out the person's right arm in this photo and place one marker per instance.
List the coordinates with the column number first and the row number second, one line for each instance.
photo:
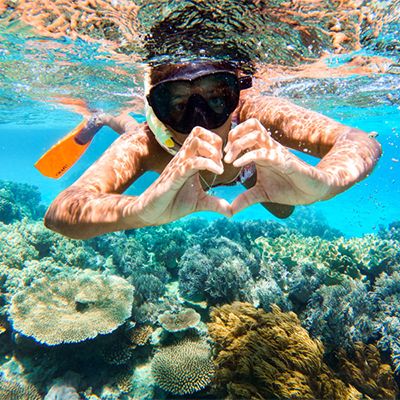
column 95, row 205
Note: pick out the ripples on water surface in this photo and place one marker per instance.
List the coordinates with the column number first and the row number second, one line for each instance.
column 337, row 57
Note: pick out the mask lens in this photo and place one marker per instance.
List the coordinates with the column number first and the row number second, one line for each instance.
column 180, row 103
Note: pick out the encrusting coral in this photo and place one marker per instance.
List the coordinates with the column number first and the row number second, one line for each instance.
column 183, row 367
column 263, row 355
column 73, row 308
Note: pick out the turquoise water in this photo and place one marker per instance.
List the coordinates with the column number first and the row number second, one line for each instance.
column 250, row 307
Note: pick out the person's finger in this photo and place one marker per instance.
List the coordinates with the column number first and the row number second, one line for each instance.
column 264, row 155
column 208, row 136
column 205, row 164
column 216, row 204
column 236, row 133
column 207, row 150
column 251, row 196
column 246, row 142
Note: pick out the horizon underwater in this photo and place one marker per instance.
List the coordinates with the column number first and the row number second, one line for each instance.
column 205, row 307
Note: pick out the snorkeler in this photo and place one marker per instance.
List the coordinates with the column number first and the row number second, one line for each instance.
column 206, row 127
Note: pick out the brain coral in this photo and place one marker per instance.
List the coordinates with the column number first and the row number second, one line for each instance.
column 73, row 308
column 184, row 367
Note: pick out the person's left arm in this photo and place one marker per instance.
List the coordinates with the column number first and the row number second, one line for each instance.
column 271, row 126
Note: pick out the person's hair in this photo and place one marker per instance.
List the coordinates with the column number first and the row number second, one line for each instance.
column 161, row 72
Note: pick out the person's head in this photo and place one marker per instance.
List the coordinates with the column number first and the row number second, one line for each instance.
column 197, row 93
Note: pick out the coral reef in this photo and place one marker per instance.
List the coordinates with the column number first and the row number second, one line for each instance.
column 343, row 291
column 19, row 200
column 263, row 355
column 218, row 270
column 183, row 367
column 308, row 222
column 179, row 321
column 364, row 369
column 71, row 309
column 10, row 390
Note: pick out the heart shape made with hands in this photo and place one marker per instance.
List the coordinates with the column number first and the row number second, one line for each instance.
column 249, row 146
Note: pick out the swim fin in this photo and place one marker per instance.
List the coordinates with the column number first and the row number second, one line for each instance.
column 65, row 153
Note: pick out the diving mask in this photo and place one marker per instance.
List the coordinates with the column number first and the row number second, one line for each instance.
column 199, row 96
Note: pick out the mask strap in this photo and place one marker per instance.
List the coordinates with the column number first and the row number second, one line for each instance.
column 162, row 134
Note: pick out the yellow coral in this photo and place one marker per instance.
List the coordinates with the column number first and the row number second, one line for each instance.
column 139, row 335
column 263, row 355
column 364, row 369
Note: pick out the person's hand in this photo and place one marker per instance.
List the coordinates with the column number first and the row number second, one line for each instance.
column 281, row 176
column 178, row 191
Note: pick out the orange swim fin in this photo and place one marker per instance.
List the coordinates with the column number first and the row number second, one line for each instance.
column 65, row 153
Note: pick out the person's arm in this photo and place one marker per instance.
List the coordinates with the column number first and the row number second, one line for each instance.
column 270, row 127
column 93, row 205
column 348, row 154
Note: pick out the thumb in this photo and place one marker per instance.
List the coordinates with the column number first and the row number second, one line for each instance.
column 216, row 204
column 249, row 197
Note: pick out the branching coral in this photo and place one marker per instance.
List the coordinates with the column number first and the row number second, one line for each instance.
column 10, row 390
column 263, row 355
column 386, row 306
column 218, row 270
column 184, row 367
column 71, row 309
column 364, row 369
column 19, row 200
column 340, row 315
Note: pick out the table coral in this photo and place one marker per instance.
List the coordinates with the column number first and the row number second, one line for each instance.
column 71, row 308
column 179, row 321
column 183, row 367
column 263, row 355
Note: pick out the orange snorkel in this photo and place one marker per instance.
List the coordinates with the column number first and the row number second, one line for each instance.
column 65, row 153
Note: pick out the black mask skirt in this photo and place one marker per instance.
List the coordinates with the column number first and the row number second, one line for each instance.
column 205, row 101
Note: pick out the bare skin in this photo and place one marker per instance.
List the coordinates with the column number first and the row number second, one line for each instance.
column 95, row 203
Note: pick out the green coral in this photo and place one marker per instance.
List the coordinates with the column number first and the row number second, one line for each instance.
column 361, row 257
column 72, row 308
